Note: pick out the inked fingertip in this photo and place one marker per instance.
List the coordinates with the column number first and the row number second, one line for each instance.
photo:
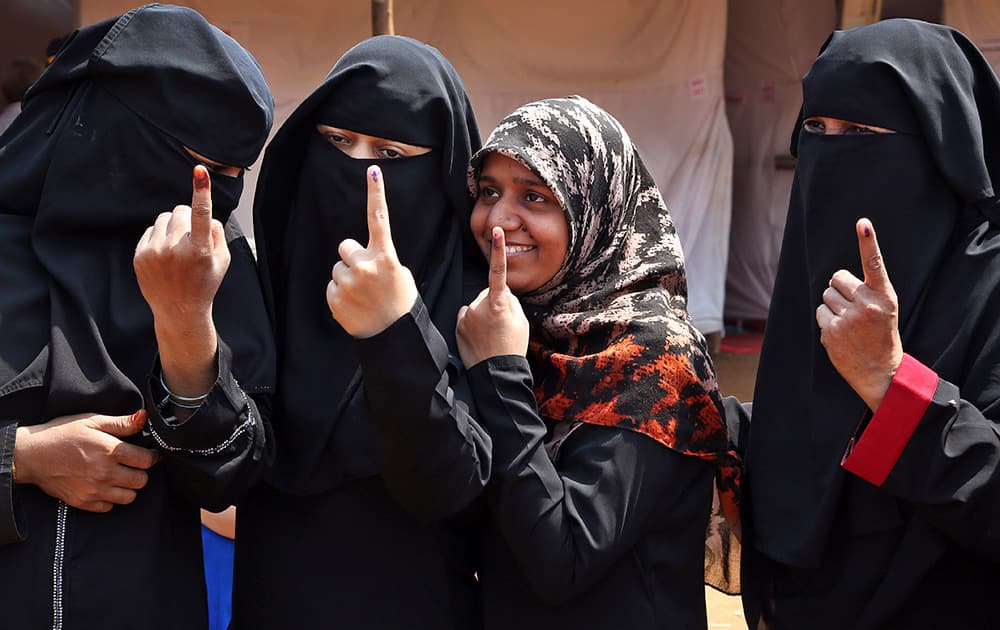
column 373, row 172
column 201, row 178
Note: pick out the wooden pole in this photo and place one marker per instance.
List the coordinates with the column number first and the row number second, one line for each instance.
column 382, row 18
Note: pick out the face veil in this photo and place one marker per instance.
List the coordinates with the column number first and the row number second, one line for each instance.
column 96, row 154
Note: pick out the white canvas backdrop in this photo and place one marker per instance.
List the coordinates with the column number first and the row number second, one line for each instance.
column 770, row 45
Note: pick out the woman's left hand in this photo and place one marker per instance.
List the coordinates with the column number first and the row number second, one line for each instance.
column 494, row 324
column 859, row 323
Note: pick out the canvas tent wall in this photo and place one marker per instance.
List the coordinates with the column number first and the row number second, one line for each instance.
column 770, row 45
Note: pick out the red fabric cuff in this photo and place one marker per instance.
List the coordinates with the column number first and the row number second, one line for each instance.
column 878, row 448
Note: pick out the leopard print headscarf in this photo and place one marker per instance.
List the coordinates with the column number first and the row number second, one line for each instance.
column 612, row 341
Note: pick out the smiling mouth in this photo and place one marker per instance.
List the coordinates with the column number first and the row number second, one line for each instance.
column 514, row 250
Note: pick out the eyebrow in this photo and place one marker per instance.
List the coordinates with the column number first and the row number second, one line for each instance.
column 517, row 180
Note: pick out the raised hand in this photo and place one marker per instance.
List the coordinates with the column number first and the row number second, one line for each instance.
column 370, row 289
column 859, row 323
column 181, row 259
column 494, row 324
column 81, row 460
column 180, row 262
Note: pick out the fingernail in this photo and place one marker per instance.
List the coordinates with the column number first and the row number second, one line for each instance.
column 375, row 175
column 138, row 416
column 200, row 178
column 868, row 231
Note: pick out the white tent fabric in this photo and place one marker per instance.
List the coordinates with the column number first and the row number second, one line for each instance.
column 770, row 45
column 655, row 64
column 980, row 21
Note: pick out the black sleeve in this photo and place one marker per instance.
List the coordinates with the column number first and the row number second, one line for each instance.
column 9, row 532
column 568, row 524
column 738, row 423
column 434, row 456
column 214, row 456
column 950, row 470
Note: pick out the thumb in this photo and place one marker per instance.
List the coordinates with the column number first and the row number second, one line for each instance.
column 121, row 426
column 201, row 209
column 498, row 262
column 872, row 264
column 379, row 233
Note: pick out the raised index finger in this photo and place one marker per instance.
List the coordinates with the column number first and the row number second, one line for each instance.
column 871, row 257
column 379, row 233
column 498, row 262
column 201, row 208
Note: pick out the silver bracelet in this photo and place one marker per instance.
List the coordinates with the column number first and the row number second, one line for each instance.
column 184, row 402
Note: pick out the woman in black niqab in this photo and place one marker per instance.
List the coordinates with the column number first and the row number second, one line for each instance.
column 100, row 148
column 893, row 533
column 348, row 529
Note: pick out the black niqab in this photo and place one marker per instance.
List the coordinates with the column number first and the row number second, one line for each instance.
column 311, row 196
column 929, row 191
column 96, row 154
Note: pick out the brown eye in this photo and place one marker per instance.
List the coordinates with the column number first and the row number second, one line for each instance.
column 336, row 138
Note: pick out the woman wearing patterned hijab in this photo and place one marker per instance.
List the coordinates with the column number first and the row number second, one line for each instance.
column 607, row 438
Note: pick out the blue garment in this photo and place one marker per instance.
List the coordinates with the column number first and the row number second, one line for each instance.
column 218, row 552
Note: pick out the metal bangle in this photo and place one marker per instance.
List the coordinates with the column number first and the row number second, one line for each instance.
column 182, row 401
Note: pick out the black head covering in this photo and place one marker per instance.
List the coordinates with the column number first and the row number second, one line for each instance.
column 95, row 155
column 929, row 191
column 310, row 196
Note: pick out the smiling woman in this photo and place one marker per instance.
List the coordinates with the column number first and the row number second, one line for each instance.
column 534, row 224
column 607, row 436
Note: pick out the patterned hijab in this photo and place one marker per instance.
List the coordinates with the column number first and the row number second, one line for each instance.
column 612, row 341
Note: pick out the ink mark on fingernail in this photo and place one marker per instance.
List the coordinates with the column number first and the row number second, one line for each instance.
column 375, row 175
column 868, row 231
column 201, row 178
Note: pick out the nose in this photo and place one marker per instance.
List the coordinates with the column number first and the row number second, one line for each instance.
column 503, row 214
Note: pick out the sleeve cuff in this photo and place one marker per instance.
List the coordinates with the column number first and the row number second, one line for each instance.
column 873, row 455
column 9, row 531
column 224, row 416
